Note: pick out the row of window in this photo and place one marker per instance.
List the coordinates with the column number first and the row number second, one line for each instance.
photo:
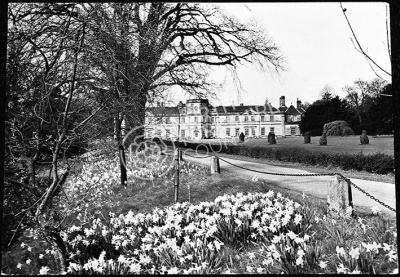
column 246, row 118
column 228, row 132
column 247, row 131
column 168, row 133
column 227, row 119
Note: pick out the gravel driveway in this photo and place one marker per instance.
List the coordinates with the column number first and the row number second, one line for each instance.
column 315, row 185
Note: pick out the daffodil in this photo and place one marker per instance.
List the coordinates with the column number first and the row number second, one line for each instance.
column 355, row 253
column 340, row 251
column 376, row 210
column 44, row 270
column 322, row 264
column 299, row 261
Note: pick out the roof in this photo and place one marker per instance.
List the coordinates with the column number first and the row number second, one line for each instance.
column 292, row 111
column 220, row 110
column 302, row 110
column 282, row 109
column 244, row 109
column 163, row 110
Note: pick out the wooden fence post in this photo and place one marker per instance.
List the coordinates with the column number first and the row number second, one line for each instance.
column 339, row 196
column 215, row 168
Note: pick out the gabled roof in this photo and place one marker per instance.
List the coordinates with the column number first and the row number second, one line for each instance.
column 302, row 110
column 293, row 111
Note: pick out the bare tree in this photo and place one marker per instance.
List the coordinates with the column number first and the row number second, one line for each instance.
column 327, row 93
column 45, row 112
column 142, row 49
column 357, row 45
column 360, row 96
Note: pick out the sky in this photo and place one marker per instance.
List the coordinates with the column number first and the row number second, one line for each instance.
column 315, row 40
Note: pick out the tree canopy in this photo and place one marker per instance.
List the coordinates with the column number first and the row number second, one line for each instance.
column 367, row 106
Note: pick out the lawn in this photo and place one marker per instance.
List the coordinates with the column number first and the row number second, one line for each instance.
column 229, row 226
column 346, row 144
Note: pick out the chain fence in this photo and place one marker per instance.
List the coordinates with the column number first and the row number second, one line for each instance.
column 301, row 175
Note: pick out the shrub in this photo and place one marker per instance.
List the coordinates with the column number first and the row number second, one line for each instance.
column 376, row 163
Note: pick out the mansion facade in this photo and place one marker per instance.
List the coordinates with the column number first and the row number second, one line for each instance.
column 197, row 119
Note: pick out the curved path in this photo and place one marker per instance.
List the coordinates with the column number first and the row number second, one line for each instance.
column 313, row 185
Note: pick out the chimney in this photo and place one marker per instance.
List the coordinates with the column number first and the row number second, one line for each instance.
column 282, row 101
column 298, row 103
column 241, row 104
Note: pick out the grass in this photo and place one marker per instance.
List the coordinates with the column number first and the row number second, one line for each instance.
column 346, row 157
column 143, row 196
column 345, row 144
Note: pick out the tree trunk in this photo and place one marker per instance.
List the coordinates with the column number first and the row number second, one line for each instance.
column 395, row 46
column 122, row 164
column 54, row 239
column 121, row 149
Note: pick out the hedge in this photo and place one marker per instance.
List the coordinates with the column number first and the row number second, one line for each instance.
column 376, row 163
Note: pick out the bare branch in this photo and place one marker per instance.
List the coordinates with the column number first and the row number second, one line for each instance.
column 358, row 43
column 387, row 33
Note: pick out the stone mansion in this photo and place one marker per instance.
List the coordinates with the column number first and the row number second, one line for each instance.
column 197, row 119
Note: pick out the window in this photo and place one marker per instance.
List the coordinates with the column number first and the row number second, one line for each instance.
column 246, row 131
column 195, row 119
column 292, row 131
column 271, row 118
column 262, row 118
column 246, row 118
column 272, row 129
column 228, row 132
column 167, row 133
column 263, row 131
column 158, row 133
column 182, row 133
column 182, row 120
column 212, row 119
column 237, row 130
column 167, row 120
column 227, row 119
column 149, row 134
column 196, row 133
column 237, row 118
column 252, row 118
column 253, row 131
